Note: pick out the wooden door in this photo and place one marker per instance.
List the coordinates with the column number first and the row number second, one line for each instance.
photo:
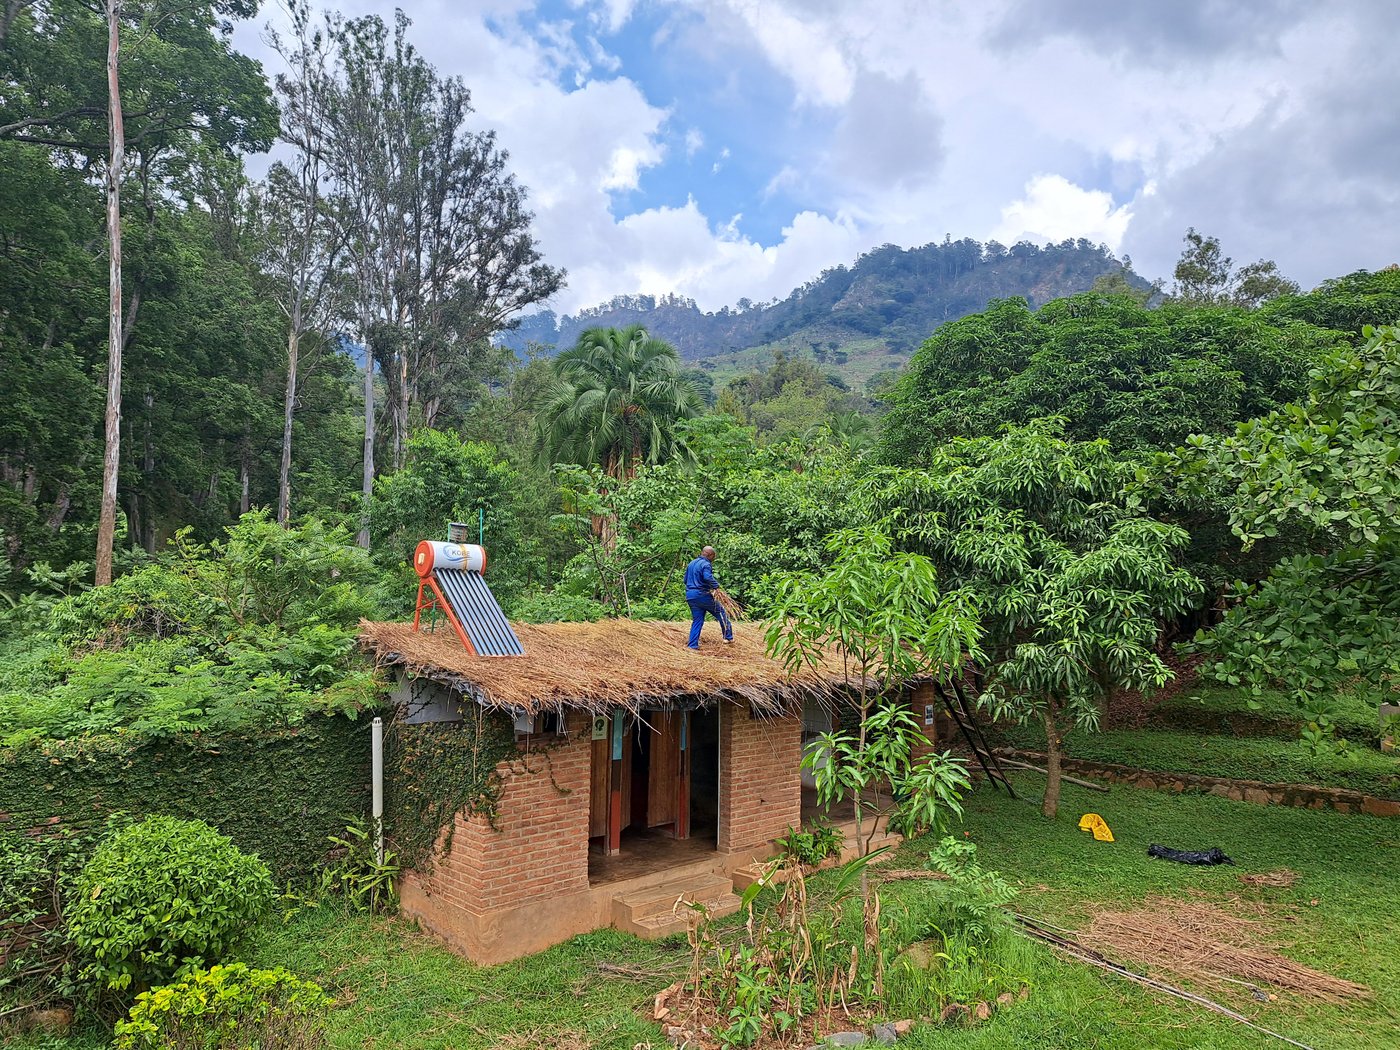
column 598, row 790
column 662, row 797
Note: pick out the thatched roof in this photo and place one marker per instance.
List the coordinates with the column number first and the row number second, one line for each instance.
column 603, row 665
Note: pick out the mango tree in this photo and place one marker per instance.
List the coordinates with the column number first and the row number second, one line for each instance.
column 1328, row 467
column 881, row 613
column 1072, row 585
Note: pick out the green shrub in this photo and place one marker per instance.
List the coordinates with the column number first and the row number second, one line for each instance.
column 231, row 1007
column 162, row 898
column 812, row 844
column 256, row 631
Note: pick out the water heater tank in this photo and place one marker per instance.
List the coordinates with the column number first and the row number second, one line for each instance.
column 436, row 554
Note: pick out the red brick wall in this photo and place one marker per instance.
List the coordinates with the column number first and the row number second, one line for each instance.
column 760, row 792
column 541, row 847
column 919, row 697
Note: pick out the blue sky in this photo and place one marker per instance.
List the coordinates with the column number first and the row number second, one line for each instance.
column 735, row 148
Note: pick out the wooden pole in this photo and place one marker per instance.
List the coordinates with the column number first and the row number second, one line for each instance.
column 111, row 453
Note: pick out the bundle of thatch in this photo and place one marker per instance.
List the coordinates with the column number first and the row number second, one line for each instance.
column 603, row 665
column 1208, row 945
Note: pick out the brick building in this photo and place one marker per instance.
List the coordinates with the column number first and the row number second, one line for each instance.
column 644, row 773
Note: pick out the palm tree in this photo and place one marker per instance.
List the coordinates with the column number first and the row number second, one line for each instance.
column 616, row 401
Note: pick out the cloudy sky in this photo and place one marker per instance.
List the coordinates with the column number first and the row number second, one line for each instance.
column 729, row 148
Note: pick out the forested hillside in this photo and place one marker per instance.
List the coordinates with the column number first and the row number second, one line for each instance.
column 886, row 303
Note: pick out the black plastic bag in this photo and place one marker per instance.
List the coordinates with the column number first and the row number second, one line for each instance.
column 1214, row 855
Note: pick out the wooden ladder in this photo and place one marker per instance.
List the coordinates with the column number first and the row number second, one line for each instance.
column 956, row 703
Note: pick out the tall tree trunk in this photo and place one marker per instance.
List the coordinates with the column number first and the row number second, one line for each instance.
column 245, row 474
column 367, row 485
column 111, row 454
column 148, row 469
column 1051, row 806
column 401, row 414
column 284, row 473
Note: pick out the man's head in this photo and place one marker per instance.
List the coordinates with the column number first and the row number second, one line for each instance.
column 708, row 554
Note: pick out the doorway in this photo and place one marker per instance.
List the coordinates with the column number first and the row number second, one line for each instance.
column 654, row 797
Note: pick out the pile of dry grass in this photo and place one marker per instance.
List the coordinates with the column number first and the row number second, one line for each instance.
column 599, row 666
column 729, row 604
column 1208, row 945
column 1281, row 879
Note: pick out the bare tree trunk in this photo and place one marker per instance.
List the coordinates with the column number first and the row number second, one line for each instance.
column 367, row 486
column 147, row 535
column 1051, row 805
column 111, row 454
column 401, row 415
column 245, row 475
column 284, row 473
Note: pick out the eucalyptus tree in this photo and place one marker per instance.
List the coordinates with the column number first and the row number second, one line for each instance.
column 301, row 244
column 437, row 228
column 1206, row 276
column 180, row 83
column 618, row 396
column 1073, row 585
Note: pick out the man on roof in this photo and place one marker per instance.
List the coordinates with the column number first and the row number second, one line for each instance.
column 700, row 585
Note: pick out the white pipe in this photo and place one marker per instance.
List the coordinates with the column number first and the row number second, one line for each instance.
column 376, row 777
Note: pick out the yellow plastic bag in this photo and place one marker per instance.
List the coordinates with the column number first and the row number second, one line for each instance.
column 1095, row 823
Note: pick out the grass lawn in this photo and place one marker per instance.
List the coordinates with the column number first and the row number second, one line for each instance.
column 399, row 989
column 1266, row 758
column 1214, row 707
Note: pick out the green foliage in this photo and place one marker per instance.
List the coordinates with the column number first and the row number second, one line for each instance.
column 1316, row 622
column 1331, row 461
column 37, row 876
column 256, row 631
column 162, row 898
column 277, row 794
column 881, row 609
column 1345, row 304
column 1110, row 367
column 1072, row 586
column 812, row 843
column 924, row 793
column 447, row 479
column 795, row 399
column 883, row 613
column 1330, row 464
column 228, row 1007
column 356, row 872
column 973, row 897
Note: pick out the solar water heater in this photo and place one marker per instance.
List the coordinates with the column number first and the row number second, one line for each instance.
column 451, row 582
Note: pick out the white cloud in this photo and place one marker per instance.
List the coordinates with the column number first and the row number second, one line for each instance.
column 1054, row 208
column 896, row 121
column 800, row 49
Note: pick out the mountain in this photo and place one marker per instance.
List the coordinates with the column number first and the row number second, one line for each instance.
column 857, row 320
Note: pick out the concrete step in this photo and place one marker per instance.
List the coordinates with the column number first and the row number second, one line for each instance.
column 664, row 924
column 643, row 911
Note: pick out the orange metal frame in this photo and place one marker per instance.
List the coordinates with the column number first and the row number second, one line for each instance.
column 437, row 603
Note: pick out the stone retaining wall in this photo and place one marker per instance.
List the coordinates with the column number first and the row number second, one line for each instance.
column 1307, row 796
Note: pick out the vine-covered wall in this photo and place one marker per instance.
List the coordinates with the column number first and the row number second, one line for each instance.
column 277, row 794
column 434, row 770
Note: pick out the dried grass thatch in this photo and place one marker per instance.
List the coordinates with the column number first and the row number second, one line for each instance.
column 600, row 666
column 1280, row 879
column 1209, row 945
